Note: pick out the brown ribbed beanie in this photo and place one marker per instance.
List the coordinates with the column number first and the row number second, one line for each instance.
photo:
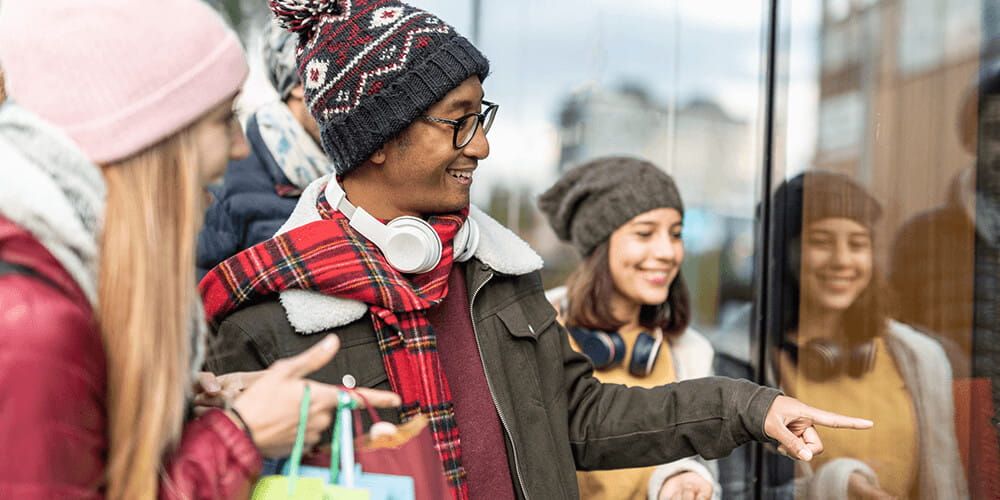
column 591, row 201
column 815, row 195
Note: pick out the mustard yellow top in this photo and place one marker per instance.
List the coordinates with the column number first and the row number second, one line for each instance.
column 626, row 483
column 891, row 449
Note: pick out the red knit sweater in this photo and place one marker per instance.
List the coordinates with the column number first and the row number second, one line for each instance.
column 484, row 453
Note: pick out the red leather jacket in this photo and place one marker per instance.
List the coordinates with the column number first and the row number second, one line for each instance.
column 53, row 441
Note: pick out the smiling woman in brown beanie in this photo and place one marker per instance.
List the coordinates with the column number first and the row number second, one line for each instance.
column 626, row 306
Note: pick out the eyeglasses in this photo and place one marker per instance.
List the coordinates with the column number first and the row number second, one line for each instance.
column 465, row 127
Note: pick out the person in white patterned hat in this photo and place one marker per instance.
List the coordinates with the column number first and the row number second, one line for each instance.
column 259, row 192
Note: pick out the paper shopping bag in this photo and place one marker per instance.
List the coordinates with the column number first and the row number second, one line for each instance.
column 292, row 485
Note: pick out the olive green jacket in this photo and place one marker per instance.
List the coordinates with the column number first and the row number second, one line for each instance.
column 556, row 416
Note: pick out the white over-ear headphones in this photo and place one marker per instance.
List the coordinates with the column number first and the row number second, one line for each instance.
column 409, row 243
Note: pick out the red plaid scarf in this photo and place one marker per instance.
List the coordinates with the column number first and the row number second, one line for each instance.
column 330, row 257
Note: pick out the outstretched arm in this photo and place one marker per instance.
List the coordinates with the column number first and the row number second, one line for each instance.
column 708, row 417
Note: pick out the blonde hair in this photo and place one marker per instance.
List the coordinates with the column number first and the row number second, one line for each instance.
column 146, row 293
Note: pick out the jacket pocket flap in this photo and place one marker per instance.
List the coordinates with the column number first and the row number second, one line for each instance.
column 520, row 325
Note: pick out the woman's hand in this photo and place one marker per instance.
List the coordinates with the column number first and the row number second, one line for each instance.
column 219, row 391
column 270, row 405
column 686, row 486
column 859, row 488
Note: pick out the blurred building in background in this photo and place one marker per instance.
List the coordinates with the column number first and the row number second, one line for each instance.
column 884, row 114
column 691, row 143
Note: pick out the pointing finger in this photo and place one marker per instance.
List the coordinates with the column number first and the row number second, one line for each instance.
column 328, row 395
column 828, row 419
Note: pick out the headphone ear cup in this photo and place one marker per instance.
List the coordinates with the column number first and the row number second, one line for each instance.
column 466, row 241
column 412, row 246
column 599, row 346
column 862, row 359
column 821, row 359
column 616, row 340
column 644, row 354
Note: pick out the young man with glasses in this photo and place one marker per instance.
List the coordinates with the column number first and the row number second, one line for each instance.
column 436, row 301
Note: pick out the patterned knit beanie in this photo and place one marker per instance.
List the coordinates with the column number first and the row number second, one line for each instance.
column 591, row 201
column 278, row 51
column 372, row 67
column 118, row 75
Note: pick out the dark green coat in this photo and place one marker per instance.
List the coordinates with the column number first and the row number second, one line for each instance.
column 556, row 416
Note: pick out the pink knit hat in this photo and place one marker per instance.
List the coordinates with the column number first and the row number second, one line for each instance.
column 118, row 75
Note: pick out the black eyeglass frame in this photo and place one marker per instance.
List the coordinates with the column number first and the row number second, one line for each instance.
column 490, row 112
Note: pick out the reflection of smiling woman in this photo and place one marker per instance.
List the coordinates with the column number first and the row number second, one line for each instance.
column 626, row 305
column 841, row 350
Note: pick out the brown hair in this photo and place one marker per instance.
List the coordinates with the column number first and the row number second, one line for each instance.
column 590, row 286
column 146, row 293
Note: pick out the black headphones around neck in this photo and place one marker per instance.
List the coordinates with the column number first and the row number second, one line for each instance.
column 822, row 359
column 607, row 349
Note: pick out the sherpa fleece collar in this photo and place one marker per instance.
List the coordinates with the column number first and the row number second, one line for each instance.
column 312, row 312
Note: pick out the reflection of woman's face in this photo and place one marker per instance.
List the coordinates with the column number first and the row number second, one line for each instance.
column 645, row 254
column 836, row 263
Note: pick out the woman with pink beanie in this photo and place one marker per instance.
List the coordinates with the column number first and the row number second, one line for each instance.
column 118, row 114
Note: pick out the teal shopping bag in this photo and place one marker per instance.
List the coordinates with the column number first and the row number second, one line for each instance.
column 295, row 485
column 379, row 486
column 345, row 473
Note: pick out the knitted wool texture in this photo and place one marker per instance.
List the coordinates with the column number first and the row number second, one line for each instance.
column 817, row 195
column 591, row 201
column 118, row 76
column 372, row 67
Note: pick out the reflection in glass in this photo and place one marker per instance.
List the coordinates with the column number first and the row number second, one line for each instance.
column 892, row 96
column 839, row 349
column 946, row 277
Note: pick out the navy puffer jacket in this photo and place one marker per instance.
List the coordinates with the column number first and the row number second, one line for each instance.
column 247, row 208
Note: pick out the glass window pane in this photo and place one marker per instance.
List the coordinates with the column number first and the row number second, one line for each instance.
column 678, row 83
column 885, row 288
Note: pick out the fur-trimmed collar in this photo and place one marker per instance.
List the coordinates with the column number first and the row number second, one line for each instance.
column 312, row 312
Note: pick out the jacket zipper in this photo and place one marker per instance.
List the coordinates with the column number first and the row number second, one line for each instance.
column 489, row 384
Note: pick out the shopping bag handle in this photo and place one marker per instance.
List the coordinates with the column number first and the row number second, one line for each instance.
column 342, row 440
column 300, row 441
column 358, row 431
column 345, row 404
